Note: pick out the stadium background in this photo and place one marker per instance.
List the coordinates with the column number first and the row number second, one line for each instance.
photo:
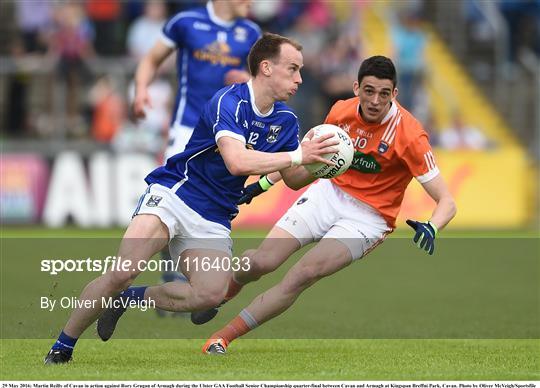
column 66, row 128
column 72, row 165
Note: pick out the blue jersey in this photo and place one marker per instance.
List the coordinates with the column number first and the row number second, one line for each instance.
column 198, row 175
column 207, row 49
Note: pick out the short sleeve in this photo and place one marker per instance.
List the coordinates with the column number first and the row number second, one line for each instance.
column 418, row 156
column 173, row 32
column 227, row 120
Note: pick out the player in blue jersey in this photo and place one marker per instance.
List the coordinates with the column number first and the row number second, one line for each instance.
column 244, row 130
column 211, row 45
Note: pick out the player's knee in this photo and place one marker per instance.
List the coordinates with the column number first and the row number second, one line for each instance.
column 209, row 297
column 253, row 271
column 120, row 280
column 301, row 278
column 309, row 272
column 261, row 263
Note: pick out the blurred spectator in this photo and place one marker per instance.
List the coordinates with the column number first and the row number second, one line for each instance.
column 523, row 18
column 33, row 19
column 132, row 10
column 421, row 105
column 430, row 127
column 460, row 136
column 306, row 102
column 175, row 6
column 148, row 134
column 71, row 43
column 109, row 109
column 106, row 18
column 339, row 68
column 265, row 12
column 16, row 119
column 409, row 41
column 279, row 15
column 145, row 30
column 478, row 24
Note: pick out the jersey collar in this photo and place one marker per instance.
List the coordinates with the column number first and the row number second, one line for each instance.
column 391, row 112
column 252, row 101
column 215, row 19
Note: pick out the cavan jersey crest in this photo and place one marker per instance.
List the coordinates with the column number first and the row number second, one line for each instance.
column 273, row 133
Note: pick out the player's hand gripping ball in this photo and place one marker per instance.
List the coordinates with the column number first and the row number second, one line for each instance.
column 342, row 158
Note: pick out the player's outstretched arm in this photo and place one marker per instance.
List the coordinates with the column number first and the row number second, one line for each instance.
column 145, row 73
column 442, row 214
column 446, row 206
column 242, row 162
column 296, row 179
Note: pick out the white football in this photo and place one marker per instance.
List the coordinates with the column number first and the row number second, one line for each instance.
column 342, row 158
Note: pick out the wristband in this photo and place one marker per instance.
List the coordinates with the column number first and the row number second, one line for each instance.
column 296, row 157
column 265, row 183
column 269, row 180
column 433, row 226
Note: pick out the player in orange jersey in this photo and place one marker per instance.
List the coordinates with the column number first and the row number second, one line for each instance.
column 353, row 213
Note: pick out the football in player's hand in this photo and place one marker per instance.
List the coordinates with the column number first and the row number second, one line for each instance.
column 342, row 158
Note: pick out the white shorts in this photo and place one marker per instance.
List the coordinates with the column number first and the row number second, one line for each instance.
column 326, row 211
column 187, row 229
column 179, row 136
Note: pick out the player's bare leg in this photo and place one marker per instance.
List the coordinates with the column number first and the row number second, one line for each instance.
column 206, row 287
column 326, row 258
column 145, row 236
column 273, row 251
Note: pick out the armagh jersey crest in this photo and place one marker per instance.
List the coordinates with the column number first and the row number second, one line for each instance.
column 387, row 156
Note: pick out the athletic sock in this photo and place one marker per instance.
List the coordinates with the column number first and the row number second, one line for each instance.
column 240, row 325
column 65, row 342
column 134, row 293
column 233, row 290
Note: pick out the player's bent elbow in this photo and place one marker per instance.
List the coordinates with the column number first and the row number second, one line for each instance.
column 293, row 184
column 294, row 187
column 242, row 171
column 453, row 208
column 236, row 168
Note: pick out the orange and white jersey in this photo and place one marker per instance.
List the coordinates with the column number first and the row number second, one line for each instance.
column 387, row 156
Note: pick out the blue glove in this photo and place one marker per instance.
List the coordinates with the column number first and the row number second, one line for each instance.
column 425, row 235
column 254, row 189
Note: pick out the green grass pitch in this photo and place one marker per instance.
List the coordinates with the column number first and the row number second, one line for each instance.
column 280, row 360
column 471, row 312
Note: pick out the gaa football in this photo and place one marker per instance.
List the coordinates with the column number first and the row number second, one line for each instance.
column 342, row 158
